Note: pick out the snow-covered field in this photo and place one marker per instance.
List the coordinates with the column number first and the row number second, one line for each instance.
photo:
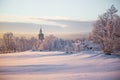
column 86, row 65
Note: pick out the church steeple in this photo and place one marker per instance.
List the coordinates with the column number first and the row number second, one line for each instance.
column 40, row 31
column 41, row 35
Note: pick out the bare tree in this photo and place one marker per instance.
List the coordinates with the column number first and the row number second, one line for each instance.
column 107, row 31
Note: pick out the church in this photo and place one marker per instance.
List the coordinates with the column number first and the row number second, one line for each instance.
column 41, row 35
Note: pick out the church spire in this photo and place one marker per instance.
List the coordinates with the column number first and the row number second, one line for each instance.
column 40, row 30
column 41, row 35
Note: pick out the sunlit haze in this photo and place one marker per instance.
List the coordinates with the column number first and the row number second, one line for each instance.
column 54, row 16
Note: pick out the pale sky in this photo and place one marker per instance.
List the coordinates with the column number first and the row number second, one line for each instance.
column 57, row 16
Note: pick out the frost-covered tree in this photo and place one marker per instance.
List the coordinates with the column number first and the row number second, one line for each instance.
column 8, row 41
column 59, row 44
column 106, row 32
column 2, row 46
column 68, row 45
column 48, row 43
column 35, row 43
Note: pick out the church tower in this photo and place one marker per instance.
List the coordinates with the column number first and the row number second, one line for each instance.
column 41, row 35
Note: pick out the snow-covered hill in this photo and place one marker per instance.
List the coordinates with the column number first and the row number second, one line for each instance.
column 56, row 65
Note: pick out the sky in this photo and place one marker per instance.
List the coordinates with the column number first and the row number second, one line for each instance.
column 54, row 16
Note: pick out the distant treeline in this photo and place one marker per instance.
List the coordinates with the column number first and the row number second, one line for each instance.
column 9, row 44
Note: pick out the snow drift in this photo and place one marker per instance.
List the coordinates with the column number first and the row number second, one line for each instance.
column 34, row 65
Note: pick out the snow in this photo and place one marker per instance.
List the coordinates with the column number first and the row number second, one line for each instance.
column 55, row 65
